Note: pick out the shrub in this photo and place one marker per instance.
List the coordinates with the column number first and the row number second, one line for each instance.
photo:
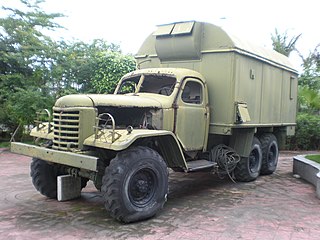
column 307, row 135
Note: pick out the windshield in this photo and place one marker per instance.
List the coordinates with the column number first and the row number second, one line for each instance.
column 149, row 83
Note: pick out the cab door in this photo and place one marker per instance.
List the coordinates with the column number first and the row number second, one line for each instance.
column 192, row 115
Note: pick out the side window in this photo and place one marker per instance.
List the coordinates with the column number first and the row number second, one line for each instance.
column 192, row 93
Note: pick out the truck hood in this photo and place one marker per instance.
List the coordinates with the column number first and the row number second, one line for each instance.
column 94, row 100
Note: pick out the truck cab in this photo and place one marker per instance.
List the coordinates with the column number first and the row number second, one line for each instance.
column 184, row 102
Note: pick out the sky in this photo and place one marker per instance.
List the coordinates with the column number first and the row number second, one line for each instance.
column 128, row 22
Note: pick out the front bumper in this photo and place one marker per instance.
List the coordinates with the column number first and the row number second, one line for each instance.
column 55, row 156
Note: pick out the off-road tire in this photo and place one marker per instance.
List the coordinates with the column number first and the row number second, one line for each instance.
column 44, row 177
column 270, row 153
column 101, row 166
column 248, row 168
column 135, row 184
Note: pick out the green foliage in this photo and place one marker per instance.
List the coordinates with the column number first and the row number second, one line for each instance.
column 309, row 83
column 282, row 44
column 309, row 100
column 24, row 61
column 23, row 105
column 307, row 135
column 88, row 67
column 311, row 70
column 35, row 70
column 111, row 67
column 4, row 144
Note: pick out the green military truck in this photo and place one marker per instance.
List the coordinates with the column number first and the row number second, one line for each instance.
column 200, row 100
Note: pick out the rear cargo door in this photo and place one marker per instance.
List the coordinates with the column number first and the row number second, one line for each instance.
column 192, row 117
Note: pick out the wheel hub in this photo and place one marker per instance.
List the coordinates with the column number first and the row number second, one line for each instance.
column 271, row 156
column 253, row 160
column 142, row 187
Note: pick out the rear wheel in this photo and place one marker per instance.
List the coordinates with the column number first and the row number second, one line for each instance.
column 248, row 168
column 270, row 153
column 135, row 184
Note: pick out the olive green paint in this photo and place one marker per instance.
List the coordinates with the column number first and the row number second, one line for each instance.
column 244, row 89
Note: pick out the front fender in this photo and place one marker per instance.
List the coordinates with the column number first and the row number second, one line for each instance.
column 121, row 139
column 43, row 131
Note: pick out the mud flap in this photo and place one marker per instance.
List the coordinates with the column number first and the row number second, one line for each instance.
column 69, row 187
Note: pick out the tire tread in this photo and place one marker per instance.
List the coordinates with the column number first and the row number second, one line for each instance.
column 265, row 140
column 112, row 180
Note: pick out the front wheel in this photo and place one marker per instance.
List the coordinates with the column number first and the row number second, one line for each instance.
column 44, row 177
column 135, row 184
column 248, row 168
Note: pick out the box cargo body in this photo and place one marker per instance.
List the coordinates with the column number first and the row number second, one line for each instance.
column 258, row 85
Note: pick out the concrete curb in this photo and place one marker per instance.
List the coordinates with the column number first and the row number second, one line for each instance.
column 307, row 170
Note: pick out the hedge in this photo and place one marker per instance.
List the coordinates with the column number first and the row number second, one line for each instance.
column 307, row 135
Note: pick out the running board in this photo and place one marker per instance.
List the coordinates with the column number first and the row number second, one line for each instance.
column 199, row 165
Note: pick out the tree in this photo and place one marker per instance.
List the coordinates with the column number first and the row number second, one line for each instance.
column 83, row 67
column 311, row 70
column 282, row 44
column 309, row 82
column 111, row 66
column 35, row 70
column 24, row 61
column 24, row 103
column 309, row 100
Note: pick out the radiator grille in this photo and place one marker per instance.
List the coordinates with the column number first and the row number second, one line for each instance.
column 66, row 129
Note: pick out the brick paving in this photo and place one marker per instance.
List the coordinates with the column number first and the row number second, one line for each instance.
column 200, row 206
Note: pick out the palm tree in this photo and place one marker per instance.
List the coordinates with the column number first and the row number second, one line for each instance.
column 309, row 100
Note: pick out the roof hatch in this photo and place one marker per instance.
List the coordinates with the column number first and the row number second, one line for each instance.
column 178, row 41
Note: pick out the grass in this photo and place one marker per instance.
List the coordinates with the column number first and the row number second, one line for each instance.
column 315, row 158
column 4, row 144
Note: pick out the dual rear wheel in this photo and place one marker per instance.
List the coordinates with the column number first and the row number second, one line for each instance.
column 263, row 159
column 135, row 184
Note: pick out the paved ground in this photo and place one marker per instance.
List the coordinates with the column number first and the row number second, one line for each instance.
column 200, row 206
